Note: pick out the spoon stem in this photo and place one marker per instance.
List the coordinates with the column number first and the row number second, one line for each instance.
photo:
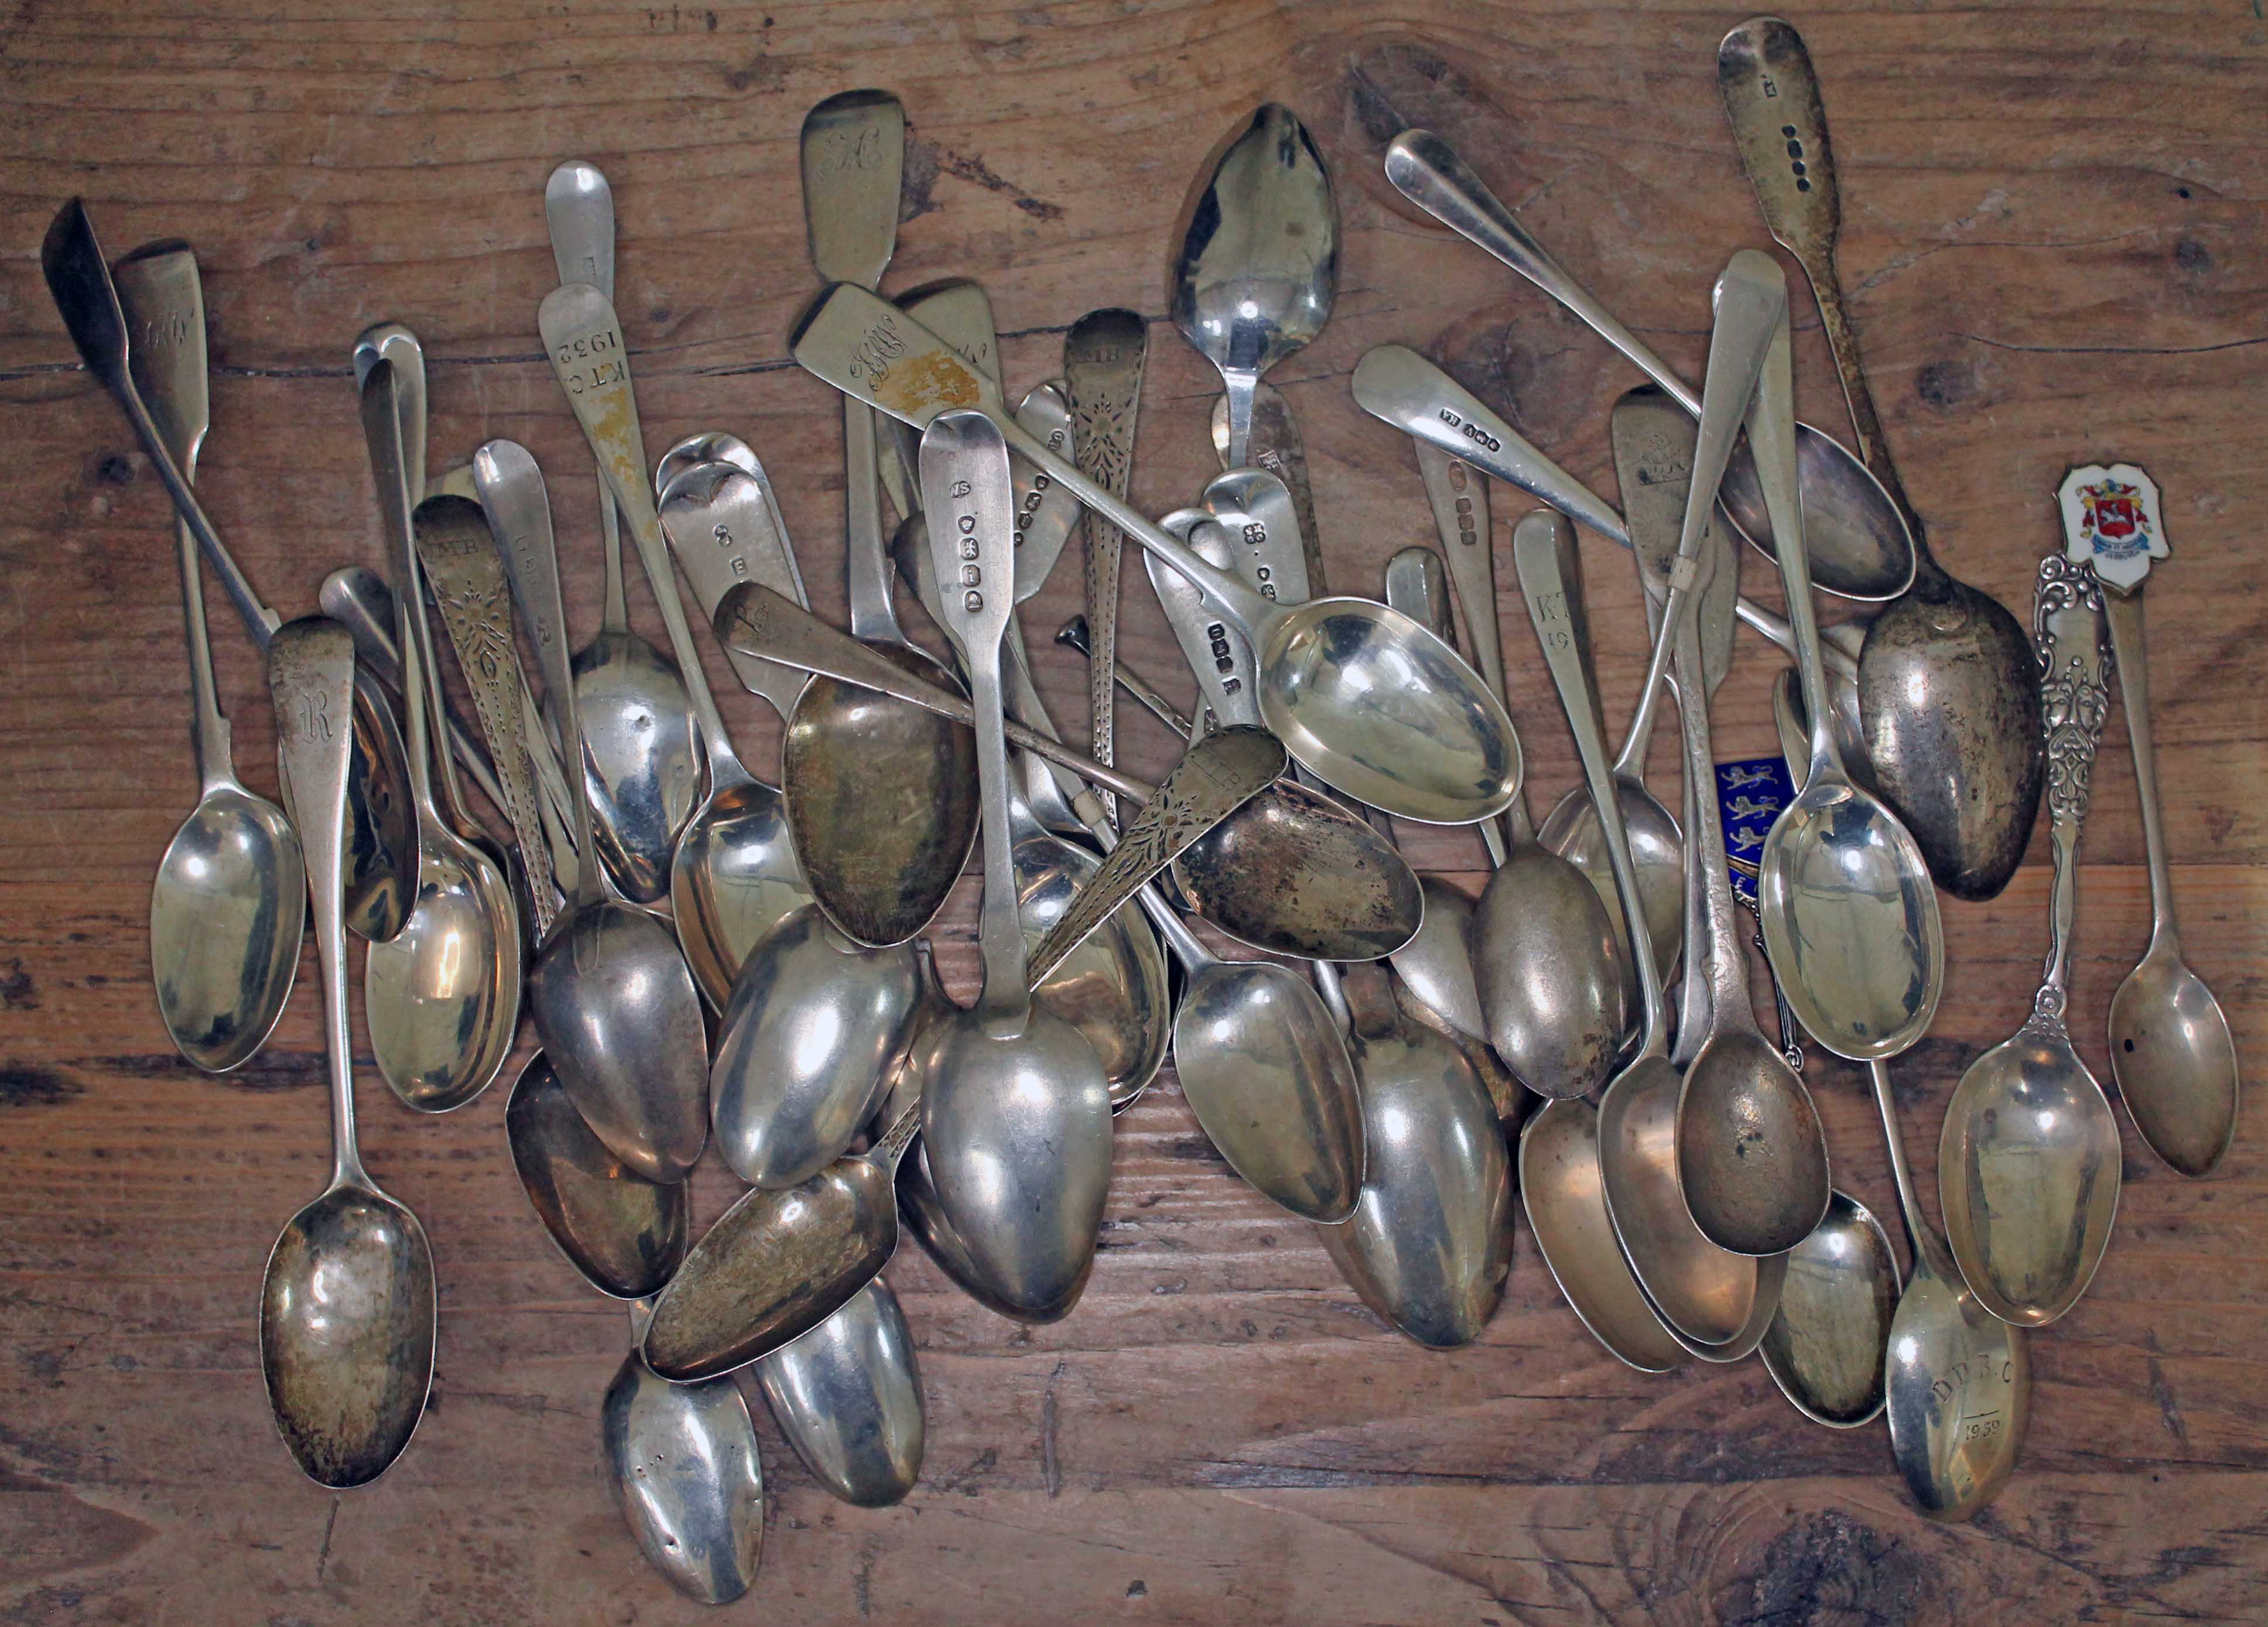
column 382, row 428
column 1771, row 434
column 1921, row 1239
column 2130, row 645
column 2075, row 697
column 1551, row 579
column 311, row 681
column 1728, row 1004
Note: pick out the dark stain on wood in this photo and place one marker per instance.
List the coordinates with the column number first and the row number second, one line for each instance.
column 1829, row 1567
column 26, row 1087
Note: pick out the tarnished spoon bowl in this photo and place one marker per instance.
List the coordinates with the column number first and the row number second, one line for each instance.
column 881, row 799
column 1704, row 1291
column 1751, row 1157
column 1548, row 972
column 641, row 759
column 616, row 1012
column 2175, row 1062
column 1858, row 545
column 688, row 1474
column 226, row 914
column 441, row 996
column 1264, row 1068
column 814, row 1025
column 774, row 1266
column 1428, row 1247
column 847, row 1396
column 2028, row 1173
column 625, row 1234
column 1566, row 1204
column 1292, row 872
column 1383, row 710
column 1658, row 850
column 733, row 877
column 1112, row 988
column 346, row 1332
column 1018, row 1133
column 1827, row 1345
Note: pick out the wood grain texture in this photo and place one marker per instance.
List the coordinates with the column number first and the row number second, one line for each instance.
column 2056, row 220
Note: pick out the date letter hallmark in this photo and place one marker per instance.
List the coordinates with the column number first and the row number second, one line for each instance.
column 723, row 535
column 972, row 574
column 1472, row 432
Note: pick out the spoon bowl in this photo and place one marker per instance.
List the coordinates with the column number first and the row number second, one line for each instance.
column 1428, row 1247
column 1436, row 966
column 733, row 877
column 441, row 996
column 624, row 1233
column 1827, row 1347
column 847, row 1396
column 1657, row 847
column 1565, row 1200
column 806, row 1047
column 687, row 1476
column 1112, row 987
column 1292, row 872
column 1702, row 1291
column 226, row 912
column 2175, row 1062
column 1549, row 972
column 641, row 759
column 1751, row 1158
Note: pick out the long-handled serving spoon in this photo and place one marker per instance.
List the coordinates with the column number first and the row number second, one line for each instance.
column 230, row 901
column 1850, row 920
column 1370, row 702
column 347, row 1308
column 780, row 1261
column 2029, row 1161
column 2170, row 1047
column 644, row 761
column 1947, row 689
column 1855, row 534
column 380, row 855
column 686, row 1474
column 1015, row 1107
column 615, row 1007
column 1751, row 301
column 441, row 997
column 847, row 1396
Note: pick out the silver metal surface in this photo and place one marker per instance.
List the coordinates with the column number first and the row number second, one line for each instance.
column 847, row 1396
column 1828, row 1345
column 624, row 1233
column 1564, row 1199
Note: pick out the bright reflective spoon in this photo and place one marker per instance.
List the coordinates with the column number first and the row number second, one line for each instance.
column 1312, row 871
column 1828, row 1345
column 615, row 1008
column 1946, row 680
column 1259, row 261
column 847, row 1396
column 685, row 1473
column 441, row 997
column 1850, row 920
column 1565, row 1200
column 1429, row 1245
column 624, row 1233
column 347, row 1309
column 1370, row 702
column 639, row 723
column 735, row 875
column 380, row 859
column 1856, row 537
column 2170, row 1047
column 228, row 903
column 2028, row 1160
column 1015, row 1108
column 1959, row 1380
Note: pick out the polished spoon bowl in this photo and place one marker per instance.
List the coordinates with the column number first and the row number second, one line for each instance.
column 626, row 1234
column 641, row 738
column 382, row 850
column 1827, row 1347
column 1370, row 702
column 847, row 1396
column 1564, row 1199
column 228, row 903
column 347, row 1308
column 615, row 1007
column 441, row 997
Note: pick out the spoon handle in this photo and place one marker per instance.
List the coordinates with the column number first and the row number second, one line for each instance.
column 1074, row 635
column 1922, row 1238
column 1430, row 174
column 2075, row 665
column 1771, row 436
column 1218, row 655
column 970, row 502
column 592, row 366
column 1045, row 512
column 1551, row 580
column 311, row 681
column 1459, row 496
column 162, row 299
column 2130, row 645
column 520, row 517
column 1779, row 125
column 1395, row 384
column 1104, row 354
column 720, row 530
column 579, row 208
column 1416, row 586
column 381, row 428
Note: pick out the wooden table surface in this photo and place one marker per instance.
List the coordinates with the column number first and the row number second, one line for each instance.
column 2054, row 236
